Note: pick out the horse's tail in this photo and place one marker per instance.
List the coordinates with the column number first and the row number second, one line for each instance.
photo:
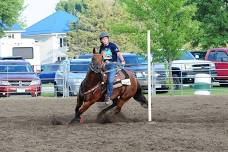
column 139, row 95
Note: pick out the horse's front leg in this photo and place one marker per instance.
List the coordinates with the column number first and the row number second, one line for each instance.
column 80, row 111
column 77, row 116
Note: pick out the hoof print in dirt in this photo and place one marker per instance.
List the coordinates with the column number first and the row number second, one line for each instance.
column 54, row 121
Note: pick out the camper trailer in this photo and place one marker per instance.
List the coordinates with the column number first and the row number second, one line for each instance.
column 13, row 45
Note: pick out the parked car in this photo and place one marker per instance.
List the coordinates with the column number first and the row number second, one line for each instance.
column 69, row 76
column 85, row 56
column 18, row 77
column 138, row 64
column 220, row 58
column 186, row 67
column 47, row 74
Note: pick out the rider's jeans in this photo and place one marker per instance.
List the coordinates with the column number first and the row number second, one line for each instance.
column 111, row 68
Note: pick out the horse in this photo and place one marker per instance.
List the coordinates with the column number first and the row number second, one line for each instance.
column 93, row 89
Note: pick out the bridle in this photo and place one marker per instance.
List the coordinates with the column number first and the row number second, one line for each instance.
column 95, row 68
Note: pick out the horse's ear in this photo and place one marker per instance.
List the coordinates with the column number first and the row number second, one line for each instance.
column 94, row 51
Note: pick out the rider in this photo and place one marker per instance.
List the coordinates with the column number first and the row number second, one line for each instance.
column 110, row 53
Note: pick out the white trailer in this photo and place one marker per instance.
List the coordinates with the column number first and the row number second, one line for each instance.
column 13, row 45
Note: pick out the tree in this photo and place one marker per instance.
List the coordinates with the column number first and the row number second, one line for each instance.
column 9, row 13
column 214, row 18
column 171, row 24
column 71, row 6
column 94, row 17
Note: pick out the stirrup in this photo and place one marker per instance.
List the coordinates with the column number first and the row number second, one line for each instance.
column 107, row 100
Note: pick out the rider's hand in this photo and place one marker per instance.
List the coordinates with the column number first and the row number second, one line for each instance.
column 123, row 62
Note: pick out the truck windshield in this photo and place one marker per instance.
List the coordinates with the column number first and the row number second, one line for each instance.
column 131, row 59
column 187, row 56
column 12, row 68
column 79, row 67
column 50, row 67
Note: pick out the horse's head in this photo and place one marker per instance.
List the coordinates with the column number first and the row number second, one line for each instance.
column 97, row 62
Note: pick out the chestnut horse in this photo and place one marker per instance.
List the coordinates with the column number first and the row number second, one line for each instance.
column 93, row 87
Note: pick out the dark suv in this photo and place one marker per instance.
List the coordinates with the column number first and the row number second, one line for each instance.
column 138, row 64
column 18, row 77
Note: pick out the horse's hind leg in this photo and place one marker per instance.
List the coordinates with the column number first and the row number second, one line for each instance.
column 108, row 108
column 140, row 97
column 120, row 103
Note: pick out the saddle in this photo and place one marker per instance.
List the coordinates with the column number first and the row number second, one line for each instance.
column 122, row 78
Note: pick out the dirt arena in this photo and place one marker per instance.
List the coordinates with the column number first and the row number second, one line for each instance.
column 196, row 123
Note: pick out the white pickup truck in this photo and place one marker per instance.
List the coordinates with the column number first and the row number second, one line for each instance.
column 186, row 67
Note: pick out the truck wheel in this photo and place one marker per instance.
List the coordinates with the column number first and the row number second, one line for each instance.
column 176, row 82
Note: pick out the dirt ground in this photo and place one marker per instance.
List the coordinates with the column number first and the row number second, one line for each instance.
column 189, row 123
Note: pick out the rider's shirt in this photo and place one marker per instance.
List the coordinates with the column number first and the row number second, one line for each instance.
column 110, row 52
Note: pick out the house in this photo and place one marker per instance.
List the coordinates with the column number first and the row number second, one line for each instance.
column 12, row 44
column 50, row 34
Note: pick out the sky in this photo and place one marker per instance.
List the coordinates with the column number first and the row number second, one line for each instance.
column 36, row 10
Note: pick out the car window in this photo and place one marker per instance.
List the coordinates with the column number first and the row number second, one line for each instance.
column 199, row 55
column 131, row 59
column 79, row 66
column 187, row 56
column 221, row 56
column 142, row 60
column 50, row 67
column 12, row 68
column 211, row 56
column 85, row 56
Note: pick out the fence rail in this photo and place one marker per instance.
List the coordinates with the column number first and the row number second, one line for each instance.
column 17, row 79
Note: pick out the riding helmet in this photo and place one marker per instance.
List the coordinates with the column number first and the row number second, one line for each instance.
column 103, row 34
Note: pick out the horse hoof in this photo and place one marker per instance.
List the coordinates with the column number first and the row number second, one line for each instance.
column 144, row 106
column 76, row 120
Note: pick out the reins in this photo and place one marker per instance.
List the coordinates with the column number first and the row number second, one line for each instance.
column 92, row 89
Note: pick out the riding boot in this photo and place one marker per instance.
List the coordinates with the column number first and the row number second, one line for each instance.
column 107, row 100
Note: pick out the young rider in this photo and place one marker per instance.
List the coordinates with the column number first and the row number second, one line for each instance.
column 110, row 53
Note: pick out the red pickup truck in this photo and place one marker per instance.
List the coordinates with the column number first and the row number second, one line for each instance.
column 220, row 57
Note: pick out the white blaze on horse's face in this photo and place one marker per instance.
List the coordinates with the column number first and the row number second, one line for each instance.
column 105, row 40
column 97, row 59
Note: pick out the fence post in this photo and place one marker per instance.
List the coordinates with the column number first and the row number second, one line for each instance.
column 149, row 76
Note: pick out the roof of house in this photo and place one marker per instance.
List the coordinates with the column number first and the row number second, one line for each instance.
column 58, row 22
column 14, row 27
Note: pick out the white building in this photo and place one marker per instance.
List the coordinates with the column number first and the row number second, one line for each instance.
column 50, row 34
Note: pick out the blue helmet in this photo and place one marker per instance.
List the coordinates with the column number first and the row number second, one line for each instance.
column 103, row 34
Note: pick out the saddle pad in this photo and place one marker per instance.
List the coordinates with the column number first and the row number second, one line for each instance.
column 121, row 83
column 126, row 82
column 122, row 78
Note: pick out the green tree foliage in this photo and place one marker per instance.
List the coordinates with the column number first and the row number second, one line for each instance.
column 94, row 17
column 72, row 6
column 9, row 13
column 214, row 18
column 170, row 22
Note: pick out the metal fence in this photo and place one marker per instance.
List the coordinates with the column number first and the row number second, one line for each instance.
column 66, row 82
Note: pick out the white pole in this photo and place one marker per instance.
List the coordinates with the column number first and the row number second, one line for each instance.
column 149, row 76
